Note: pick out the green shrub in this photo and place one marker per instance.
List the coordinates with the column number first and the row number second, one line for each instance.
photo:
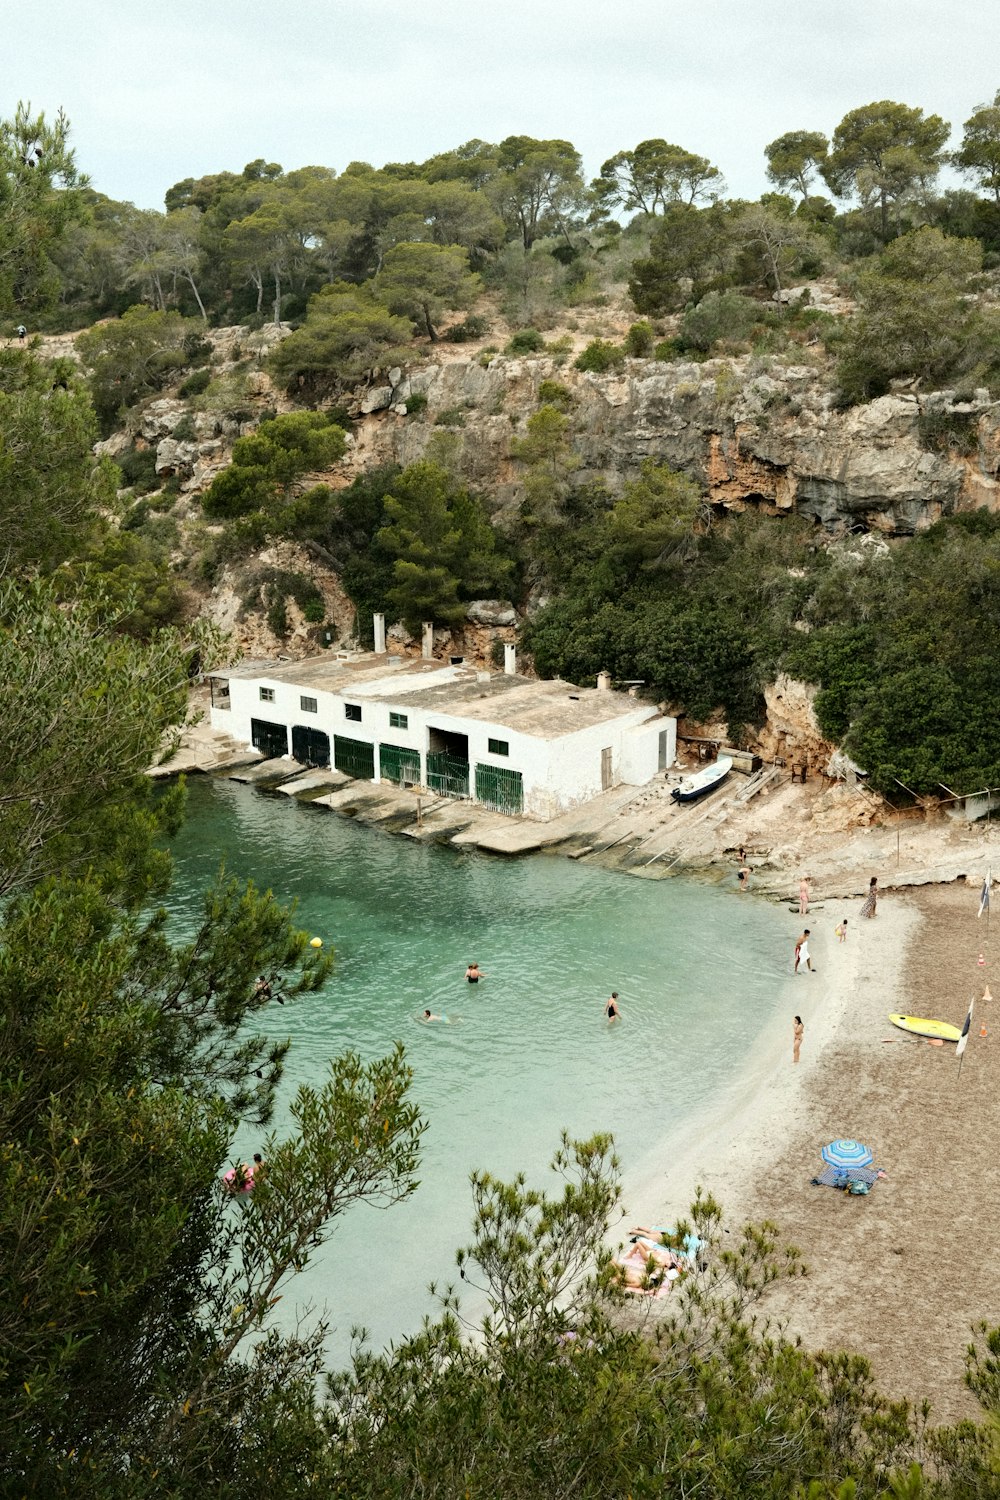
column 668, row 349
column 138, row 468
column 453, row 417
column 475, row 326
column 525, row 341
column 184, row 431
column 639, row 340
column 599, row 356
column 314, row 610
column 197, row 349
column 415, row 404
column 942, row 430
column 554, row 393
column 277, row 617
column 724, row 315
column 196, row 384
column 485, row 355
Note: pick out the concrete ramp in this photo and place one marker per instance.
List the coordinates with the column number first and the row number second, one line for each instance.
column 268, row 770
column 313, row 784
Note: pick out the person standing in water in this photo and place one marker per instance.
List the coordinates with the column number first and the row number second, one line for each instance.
column 797, row 1032
column 613, row 1013
column 804, row 896
column 474, row 973
column 802, row 952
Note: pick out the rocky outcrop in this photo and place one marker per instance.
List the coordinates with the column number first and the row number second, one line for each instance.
column 752, row 431
column 791, row 733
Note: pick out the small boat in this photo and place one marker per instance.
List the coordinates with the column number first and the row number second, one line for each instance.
column 700, row 782
column 942, row 1031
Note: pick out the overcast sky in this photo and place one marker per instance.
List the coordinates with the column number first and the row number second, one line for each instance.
column 160, row 92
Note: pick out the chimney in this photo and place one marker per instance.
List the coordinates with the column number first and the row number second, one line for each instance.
column 510, row 661
column 604, row 682
column 427, row 650
column 379, row 635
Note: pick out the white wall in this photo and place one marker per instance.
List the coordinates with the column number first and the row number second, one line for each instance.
column 557, row 774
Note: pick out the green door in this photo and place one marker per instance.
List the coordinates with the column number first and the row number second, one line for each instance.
column 446, row 775
column 354, row 757
column 395, row 763
column 310, row 746
column 500, row 789
column 270, row 739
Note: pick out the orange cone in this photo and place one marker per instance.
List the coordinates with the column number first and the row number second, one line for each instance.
column 982, row 1029
column 981, row 961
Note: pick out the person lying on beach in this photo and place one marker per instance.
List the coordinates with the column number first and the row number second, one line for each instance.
column 648, row 1268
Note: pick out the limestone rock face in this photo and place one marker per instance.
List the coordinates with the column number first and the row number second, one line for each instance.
column 791, row 732
column 491, row 612
column 768, row 437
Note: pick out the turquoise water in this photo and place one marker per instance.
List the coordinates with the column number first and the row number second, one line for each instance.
column 699, row 971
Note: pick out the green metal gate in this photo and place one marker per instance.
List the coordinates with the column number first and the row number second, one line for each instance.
column 500, row 789
column 354, row 757
column 446, row 775
column 310, row 746
column 395, row 763
column 270, row 739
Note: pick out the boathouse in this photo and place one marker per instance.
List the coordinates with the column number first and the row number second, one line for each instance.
column 509, row 743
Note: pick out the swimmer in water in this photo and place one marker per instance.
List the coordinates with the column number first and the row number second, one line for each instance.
column 474, row 973
column 427, row 1016
column 614, row 1014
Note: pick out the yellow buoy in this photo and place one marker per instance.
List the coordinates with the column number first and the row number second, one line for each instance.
column 316, row 942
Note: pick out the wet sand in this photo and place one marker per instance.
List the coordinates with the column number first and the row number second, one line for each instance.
column 900, row 1275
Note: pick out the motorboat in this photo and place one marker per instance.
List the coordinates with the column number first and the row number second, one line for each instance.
column 700, row 782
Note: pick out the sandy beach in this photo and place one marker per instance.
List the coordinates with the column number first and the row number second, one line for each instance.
column 902, row 1274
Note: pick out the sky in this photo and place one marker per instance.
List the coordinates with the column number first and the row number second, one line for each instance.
column 157, row 93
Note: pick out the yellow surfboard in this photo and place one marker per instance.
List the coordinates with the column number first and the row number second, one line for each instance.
column 942, row 1031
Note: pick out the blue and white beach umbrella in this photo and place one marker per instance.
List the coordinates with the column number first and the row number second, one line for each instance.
column 847, row 1154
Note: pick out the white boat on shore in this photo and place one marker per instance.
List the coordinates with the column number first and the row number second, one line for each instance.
column 700, row 782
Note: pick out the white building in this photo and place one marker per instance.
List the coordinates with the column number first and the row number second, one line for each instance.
column 509, row 743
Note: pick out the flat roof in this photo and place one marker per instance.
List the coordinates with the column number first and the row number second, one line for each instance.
column 546, row 708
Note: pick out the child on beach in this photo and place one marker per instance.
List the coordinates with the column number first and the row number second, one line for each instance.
column 841, row 931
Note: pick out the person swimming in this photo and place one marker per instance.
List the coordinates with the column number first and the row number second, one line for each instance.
column 474, row 973
column 428, row 1017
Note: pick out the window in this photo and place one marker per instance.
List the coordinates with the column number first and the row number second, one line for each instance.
column 353, row 711
column 398, row 721
column 499, row 747
column 308, row 705
column 267, row 695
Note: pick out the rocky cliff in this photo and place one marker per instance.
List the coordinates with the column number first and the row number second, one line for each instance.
column 755, row 433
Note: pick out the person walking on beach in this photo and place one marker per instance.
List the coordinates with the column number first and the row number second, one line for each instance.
column 841, row 931
column 797, row 1031
column 802, row 953
column 871, row 900
column 804, row 896
column 613, row 1013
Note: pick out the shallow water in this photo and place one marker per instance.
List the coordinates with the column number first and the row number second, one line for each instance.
column 527, row 1052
